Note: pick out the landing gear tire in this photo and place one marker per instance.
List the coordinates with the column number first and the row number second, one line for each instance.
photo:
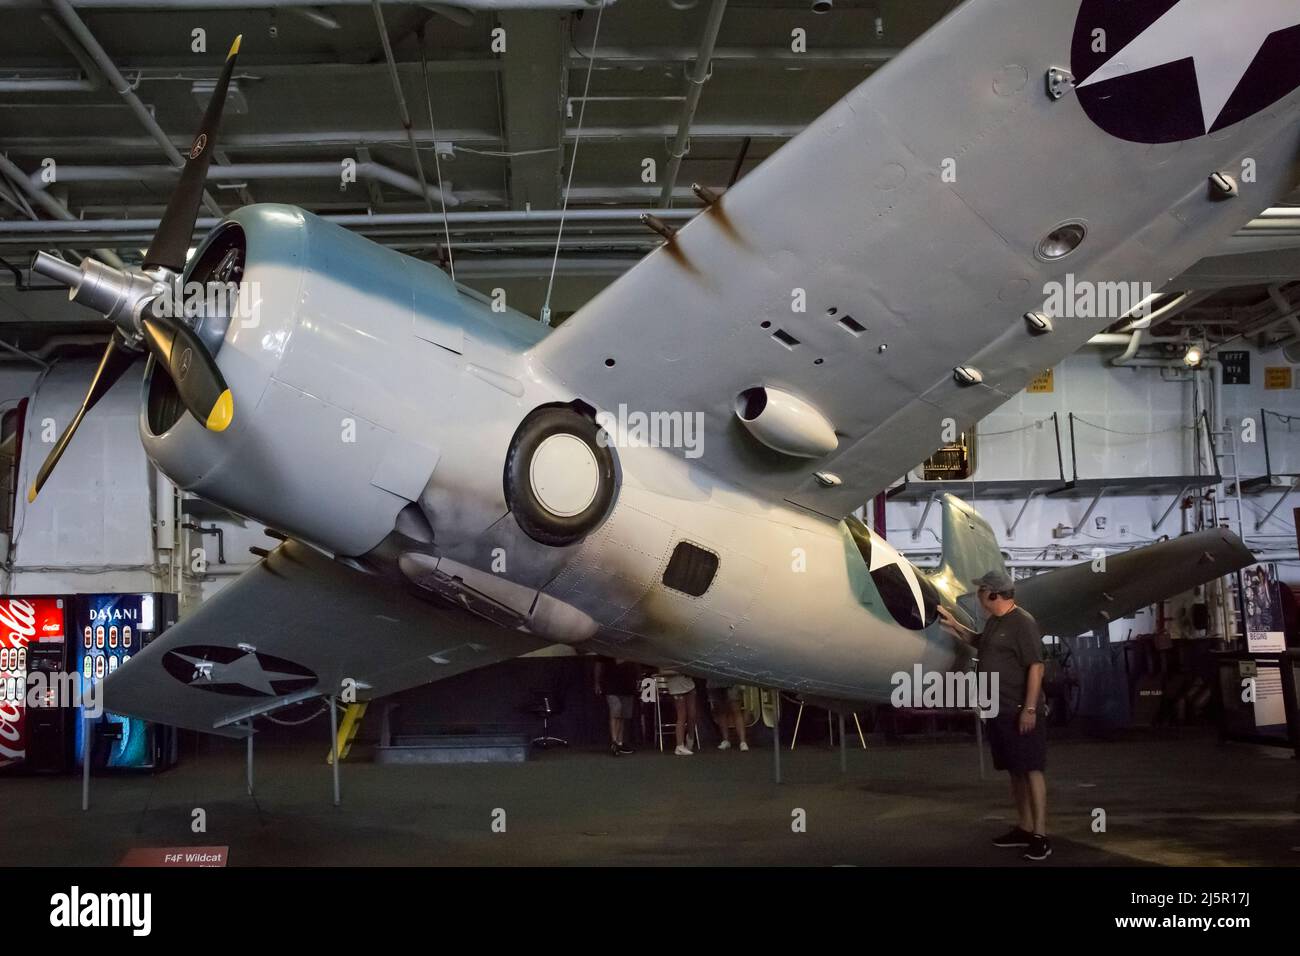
column 560, row 479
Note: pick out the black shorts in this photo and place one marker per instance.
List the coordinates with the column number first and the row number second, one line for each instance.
column 1012, row 750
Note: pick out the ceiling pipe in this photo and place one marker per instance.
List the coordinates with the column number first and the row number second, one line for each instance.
column 317, row 16
column 1130, row 350
column 78, row 52
column 772, row 56
column 20, row 84
column 77, row 27
column 60, row 212
column 1170, row 309
column 699, row 76
column 19, row 228
column 283, row 4
column 236, row 171
column 1137, row 328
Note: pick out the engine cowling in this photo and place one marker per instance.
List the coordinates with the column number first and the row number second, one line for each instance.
column 339, row 354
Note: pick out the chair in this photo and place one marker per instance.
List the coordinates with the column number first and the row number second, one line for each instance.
column 668, row 727
column 546, row 704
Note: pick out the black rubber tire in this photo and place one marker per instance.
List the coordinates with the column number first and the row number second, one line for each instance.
column 538, row 523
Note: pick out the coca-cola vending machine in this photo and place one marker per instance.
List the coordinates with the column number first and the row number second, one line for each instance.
column 34, row 683
column 111, row 629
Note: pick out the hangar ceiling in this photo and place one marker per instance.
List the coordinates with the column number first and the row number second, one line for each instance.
column 314, row 92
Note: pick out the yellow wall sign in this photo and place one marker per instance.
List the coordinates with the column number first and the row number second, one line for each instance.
column 1042, row 382
column 1277, row 377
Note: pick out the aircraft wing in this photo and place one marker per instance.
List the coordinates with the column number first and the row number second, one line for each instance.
column 1072, row 600
column 298, row 625
column 898, row 237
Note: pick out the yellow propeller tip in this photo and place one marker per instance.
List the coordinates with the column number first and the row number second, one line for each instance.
column 31, row 494
column 222, row 413
column 234, row 47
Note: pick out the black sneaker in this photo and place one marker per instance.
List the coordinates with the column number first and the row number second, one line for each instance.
column 614, row 750
column 1016, row 836
column 1039, row 848
column 623, row 749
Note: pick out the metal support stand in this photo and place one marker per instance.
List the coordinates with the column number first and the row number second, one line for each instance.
column 85, row 763
column 334, row 747
column 844, row 747
column 1259, row 524
column 1155, row 525
column 1083, row 522
column 979, row 742
column 929, row 503
column 1011, row 529
column 776, row 740
column 249, row 768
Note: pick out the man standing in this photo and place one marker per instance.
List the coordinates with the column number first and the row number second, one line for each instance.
column 617, row 680
column 1011, row 647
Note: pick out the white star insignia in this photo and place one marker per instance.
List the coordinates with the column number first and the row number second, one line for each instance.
column 1222, row 40
column 246, row 671
column 883, row 555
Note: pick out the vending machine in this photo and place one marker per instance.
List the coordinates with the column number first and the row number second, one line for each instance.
column 109, row 630
column 33, row 682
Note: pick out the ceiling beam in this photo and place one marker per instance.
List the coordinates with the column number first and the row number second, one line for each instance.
column 533, row 78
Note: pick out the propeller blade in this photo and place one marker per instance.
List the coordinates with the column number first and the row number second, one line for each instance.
column 176, row 230
column 116, row 360
column 199, row 382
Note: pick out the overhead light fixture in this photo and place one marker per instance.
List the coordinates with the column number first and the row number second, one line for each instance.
column 1193, row 356
column 822, row 6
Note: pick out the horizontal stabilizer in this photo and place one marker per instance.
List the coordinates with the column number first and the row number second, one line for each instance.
column 1073, row 600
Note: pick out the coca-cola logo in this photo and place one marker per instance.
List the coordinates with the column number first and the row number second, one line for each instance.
column 17, row 628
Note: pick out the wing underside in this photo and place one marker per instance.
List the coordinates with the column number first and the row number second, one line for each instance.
column 898, row 238
column 299, row 625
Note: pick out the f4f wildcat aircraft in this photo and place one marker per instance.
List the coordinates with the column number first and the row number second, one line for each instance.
column 480, row 511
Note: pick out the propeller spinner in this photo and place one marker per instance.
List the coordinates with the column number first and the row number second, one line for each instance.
column 129, row 299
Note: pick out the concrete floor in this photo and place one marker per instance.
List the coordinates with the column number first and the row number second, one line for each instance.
column 1177, row 800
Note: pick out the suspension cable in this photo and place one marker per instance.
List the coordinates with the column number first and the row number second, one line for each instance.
column 437, row 162
column 573, row 163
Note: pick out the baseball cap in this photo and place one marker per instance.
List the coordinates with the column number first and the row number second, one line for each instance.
column 995, row 581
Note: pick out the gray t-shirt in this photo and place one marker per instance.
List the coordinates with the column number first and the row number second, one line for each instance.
column 1007, row 646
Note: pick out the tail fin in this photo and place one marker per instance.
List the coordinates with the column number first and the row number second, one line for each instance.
column 970, row 549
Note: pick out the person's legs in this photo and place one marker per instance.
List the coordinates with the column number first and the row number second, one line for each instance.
column 679, row 704
column 738, row 716
column 692, row 715
column 721, row 715
column 1020, row 794
column 616, row 729
column 1036, row 785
